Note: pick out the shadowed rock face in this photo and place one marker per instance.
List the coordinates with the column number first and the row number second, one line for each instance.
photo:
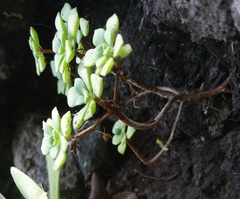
column 202, row 161
column 201, row 19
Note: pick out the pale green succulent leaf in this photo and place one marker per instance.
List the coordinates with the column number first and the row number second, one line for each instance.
column 113, row 24
column 78, row 119
column 59, row 24
column 73, row 23
column 53, row 69
column 56, row 44
column 119, row 125
column 109, row 37
column 56, row 119
column 97, row 85
column 84, row 26
column 90, row 111
column 28, row 188
column 107, row 68
column 34, row 35
column 69, row 51
column 47, row 129
column 42, row 63
column 66, row 124
column 47, row 144
column 125, row 51
column 60, row 160
column 61, row 36
column 130, row 132
column 98, row 37
column 101, row 61
column 116, row 139
column 85, row 74
column 118, row 45
column 90, row 58
column 79, row 38
column 66, row 75
column 107, row 51
column 64, row 144
column 2, row 197
column 122, row 147
column 63, row 65
column 54, row 151
column 66, row 11
column 58, row 59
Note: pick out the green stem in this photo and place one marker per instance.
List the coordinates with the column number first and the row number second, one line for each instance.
column 53, row 179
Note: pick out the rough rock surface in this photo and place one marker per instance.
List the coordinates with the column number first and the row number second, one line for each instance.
column 200, row 18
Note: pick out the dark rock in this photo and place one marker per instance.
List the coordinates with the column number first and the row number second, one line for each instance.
column 199, row 18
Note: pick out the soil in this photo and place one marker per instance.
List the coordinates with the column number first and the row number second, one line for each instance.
column 185, row 45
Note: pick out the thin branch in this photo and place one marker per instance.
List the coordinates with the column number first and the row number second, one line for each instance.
column 47, row 51
column 222, row 88
column 134, row 98
column 164, row 148
column 90, row 128
column 108, row 106
column 164, row 92
column 116, row 82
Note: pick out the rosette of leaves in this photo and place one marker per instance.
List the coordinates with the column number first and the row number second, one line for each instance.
column 37, row 51
column 122, row 133
column 67, row 39
column 56, row 131
column 109, row 45
column 83, row 92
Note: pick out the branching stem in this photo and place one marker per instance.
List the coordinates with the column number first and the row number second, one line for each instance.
column 164, row 148
column 90, row 128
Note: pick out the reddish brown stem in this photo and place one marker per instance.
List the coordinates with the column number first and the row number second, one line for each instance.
column 164, row 148
column 90, row 128
column 108, row 106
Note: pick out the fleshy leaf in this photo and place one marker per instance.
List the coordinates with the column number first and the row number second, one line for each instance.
column 34, row 35
column 90, row 58
column 84, row 26
column 56, row 43
column 66, row 75
column 107, row 67
column 69, row 51
column 56, row 119
column 113, row 24
column 118, row 125
column 125, row 51
column 109, row 37
column 28, row 188
column 122, row 147
column 65, row 11
column 98, row 37
column 118, row 45
column 73, row 23
column 84, row 114
column 97, row 85
column 117, row 139
column 54, row 151
column 90, row 111
column 85, row 73
column 78, row 119
column 130, row 132
column 60, row 160
column 46, row 145
column 74, row 98
column 101, row 61
column 66, row 124
column 59, row 24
